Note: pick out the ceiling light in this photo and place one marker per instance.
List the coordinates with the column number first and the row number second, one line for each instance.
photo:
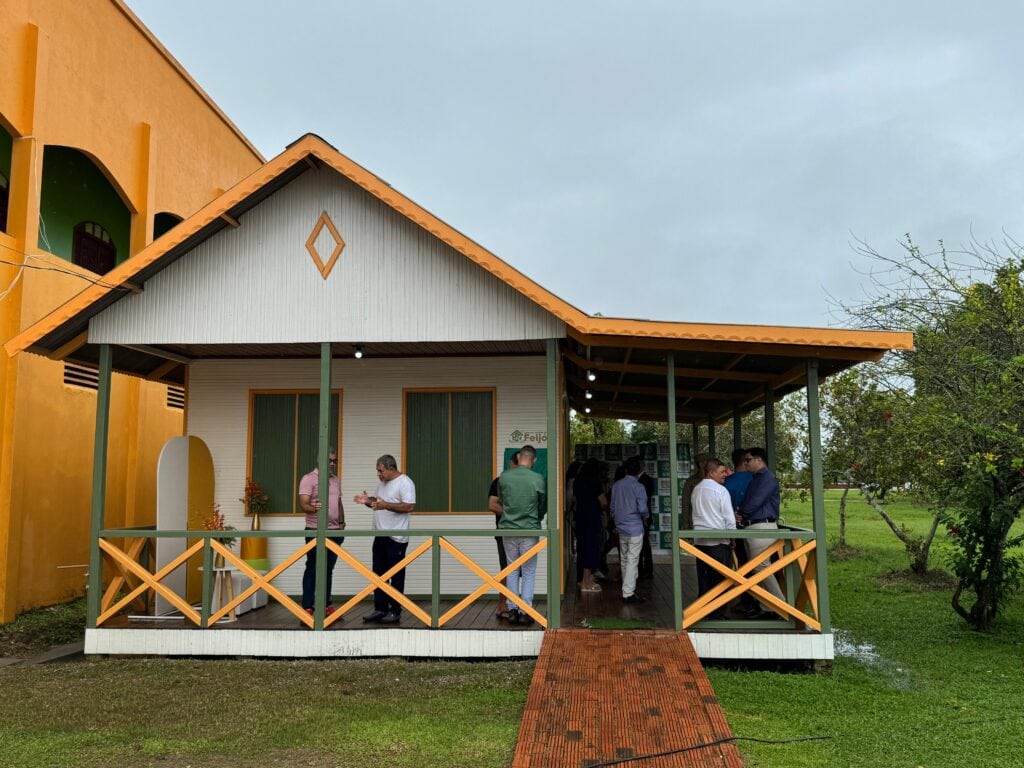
column 591, row 376
column 587, row 409
column 358, row 353
column 589, row 395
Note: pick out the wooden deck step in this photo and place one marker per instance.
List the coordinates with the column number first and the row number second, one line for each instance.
column 607, row 695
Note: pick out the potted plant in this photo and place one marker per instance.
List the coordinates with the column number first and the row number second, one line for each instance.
column 216, row 522
column 256, row 502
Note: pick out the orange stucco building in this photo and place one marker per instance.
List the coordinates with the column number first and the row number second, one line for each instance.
column 105, row 143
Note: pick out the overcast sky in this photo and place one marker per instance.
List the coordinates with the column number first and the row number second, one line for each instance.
column 695, row 161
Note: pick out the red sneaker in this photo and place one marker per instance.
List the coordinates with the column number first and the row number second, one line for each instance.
column 330, row 609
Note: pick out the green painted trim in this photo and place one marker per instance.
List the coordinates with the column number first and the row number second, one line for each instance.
column 207, row 593
column 769, row 426
column 435, row 581
column 324, row 488
column 99, row 485
column 818, row 493
column 123, row 533
column 673, row 474
column 554, row 550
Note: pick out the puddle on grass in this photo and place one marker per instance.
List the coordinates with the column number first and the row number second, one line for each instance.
column 865, row 654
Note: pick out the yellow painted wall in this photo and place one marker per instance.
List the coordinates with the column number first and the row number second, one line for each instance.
column 87, row 75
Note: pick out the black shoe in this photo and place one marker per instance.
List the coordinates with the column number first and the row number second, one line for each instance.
column 391, row 618
column 515, row 617
column 374, row 618
column 634, row 598
column 525, row 620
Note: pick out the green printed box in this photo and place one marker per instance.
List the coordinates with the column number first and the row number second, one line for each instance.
column 649, row 451
column 666, row 539
column 664, row 503
column 613, row 453
column 663, row 469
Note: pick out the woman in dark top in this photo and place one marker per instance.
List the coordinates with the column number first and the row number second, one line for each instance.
column 591, row 501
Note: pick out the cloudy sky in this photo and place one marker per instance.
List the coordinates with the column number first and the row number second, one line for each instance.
column 696, row 161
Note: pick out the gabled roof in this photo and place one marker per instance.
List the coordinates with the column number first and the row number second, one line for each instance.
column 58, row 330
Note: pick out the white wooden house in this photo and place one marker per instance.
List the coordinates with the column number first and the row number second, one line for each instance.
column 312, row 276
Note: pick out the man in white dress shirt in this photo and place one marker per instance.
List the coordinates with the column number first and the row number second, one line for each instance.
column 712, row 511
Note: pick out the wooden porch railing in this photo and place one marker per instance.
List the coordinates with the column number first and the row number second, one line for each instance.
column 133, row 578
column 794, row 552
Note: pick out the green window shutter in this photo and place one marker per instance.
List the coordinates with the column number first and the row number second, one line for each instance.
column 309, row 433
column 273, row 449
column 426, row 448
column 472, row 450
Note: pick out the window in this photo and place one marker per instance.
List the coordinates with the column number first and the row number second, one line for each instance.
column 284, row 440
column 81, row 376
column 92, row 248
column 449, row 448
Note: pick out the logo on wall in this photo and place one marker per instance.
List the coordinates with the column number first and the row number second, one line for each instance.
column 324, row 267
column 525, row 437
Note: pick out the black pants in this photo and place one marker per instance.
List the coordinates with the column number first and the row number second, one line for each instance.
column 707, row 577
column 309, row 575
column 386, row 554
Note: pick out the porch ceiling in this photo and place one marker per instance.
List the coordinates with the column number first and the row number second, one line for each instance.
column 167, row 362
column 711, row 377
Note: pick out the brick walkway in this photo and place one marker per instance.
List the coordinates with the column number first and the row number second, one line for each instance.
column 612, row 694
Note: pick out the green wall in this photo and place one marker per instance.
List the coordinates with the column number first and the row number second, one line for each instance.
column 74, row 190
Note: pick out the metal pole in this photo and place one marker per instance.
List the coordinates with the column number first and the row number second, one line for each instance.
column 323, row 487
column 694, row 437
column 769, row 426
column 554, row 481
column 673, row 475
column 99, row 485
column 712, row 443
column 818, row 494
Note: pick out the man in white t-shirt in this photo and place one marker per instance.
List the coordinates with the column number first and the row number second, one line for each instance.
column 392, row 507
column 712, row 510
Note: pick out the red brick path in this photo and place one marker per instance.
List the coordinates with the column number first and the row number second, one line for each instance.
column 606, row 695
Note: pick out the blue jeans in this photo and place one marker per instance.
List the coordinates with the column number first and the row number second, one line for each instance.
column 521, row 580
column 309, row 575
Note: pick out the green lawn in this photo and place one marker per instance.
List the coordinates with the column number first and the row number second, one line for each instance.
column 931, row 693
column 936, row 694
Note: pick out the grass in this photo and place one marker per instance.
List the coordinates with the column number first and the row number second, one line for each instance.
column 35, row 631
column 923, row 690
column 143, row 712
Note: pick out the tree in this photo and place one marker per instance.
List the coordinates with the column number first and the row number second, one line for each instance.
column 868, row 445
column 965, row 403
column 594, row 431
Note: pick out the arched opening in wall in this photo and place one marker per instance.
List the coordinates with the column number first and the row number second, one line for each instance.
column 6, row 147
column 92, row 248
column 164, row 222
column 79, row 208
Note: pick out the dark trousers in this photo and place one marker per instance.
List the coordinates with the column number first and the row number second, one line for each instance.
column 707, row 577
column 309, row 575
column 386, row 554
column 589, row 538
column 502, row 559
column 646, row 568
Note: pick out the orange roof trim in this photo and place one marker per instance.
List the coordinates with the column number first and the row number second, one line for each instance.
column 313, row 146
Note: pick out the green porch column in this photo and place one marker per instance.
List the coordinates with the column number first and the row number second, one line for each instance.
column 818, row 493
column 769, row 426
column 712, row 443
column 554, row 481
column 737, row 429
column 694, row 436
column 99, row 486
column 673, row 474
column 323, row 488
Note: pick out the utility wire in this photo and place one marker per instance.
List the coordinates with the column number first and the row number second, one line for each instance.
column 703, row 745
column 49, row 268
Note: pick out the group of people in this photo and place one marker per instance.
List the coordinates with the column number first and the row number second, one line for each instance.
column 747, row 498
column 518, row 497
column 392, row 503
column 608, row 517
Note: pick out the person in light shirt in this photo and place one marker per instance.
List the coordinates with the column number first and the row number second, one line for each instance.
column 392, row 507
column 309, row 502
column 712, row 511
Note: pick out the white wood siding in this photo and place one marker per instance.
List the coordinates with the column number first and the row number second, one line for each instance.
column 258, row 284
column 218, row 412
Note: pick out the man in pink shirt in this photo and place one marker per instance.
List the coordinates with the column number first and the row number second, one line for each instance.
column 309, row 501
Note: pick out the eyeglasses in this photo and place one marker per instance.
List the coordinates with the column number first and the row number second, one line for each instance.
column 332, row 461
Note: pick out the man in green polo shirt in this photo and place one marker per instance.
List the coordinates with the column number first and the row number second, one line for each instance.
column 523, row 496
